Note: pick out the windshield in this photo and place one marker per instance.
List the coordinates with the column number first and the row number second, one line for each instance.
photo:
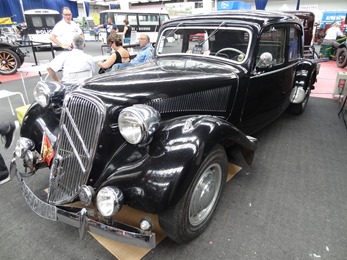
column 231, row 43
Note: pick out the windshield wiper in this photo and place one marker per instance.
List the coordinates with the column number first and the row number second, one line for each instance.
column 212, row 33
column 172, row 32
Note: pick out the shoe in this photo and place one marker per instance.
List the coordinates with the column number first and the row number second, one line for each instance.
column 10, row 135
column 4, row 177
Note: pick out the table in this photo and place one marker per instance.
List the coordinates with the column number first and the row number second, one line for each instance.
column 40, row 69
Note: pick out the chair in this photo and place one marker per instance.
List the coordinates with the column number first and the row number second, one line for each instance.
column 7, row 94
column 79, row 75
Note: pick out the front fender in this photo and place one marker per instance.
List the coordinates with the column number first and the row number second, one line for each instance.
column 39, row 120
column 161, row 176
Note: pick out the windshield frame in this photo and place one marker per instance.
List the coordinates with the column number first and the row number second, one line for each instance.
column 210, row 34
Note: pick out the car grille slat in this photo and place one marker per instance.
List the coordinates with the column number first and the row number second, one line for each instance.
column 80, row 126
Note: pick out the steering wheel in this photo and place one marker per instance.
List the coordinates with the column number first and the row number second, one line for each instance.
column 229, row 49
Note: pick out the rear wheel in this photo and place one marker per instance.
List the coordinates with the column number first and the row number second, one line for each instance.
column 9, row 62
column 341, row 57
column 191, row 215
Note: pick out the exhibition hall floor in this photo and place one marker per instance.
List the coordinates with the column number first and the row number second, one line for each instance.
column 289, row 204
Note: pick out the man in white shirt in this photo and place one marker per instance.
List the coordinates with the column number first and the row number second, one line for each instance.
column 64, row 30
column 331, row 35
column 71, row 61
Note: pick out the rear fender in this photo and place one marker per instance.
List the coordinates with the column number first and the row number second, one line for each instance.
column 305, row 75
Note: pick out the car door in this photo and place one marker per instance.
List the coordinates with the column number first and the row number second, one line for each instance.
column 270, row 82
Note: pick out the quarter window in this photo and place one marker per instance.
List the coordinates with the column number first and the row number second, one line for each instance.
column 294, row 44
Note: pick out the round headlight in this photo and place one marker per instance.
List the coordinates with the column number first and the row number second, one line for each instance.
column 109, row 201
column 138, row 122
column 42, row 94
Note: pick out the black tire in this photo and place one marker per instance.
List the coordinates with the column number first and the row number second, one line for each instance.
column 190, row 217
column 9, row 62
column 299, row 108
column 341, row 57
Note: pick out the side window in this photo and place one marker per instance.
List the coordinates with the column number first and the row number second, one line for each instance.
column 50, row 21
column 132, row 20
column 37, row 21
column 148, row 19
column 273, row 41
column 119, row 19
column 294, row 44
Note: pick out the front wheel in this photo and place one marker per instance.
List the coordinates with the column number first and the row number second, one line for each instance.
column 9, row 62
column 190, row 217
column 341, row 57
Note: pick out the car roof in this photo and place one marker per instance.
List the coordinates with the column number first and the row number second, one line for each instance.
column 255, row 17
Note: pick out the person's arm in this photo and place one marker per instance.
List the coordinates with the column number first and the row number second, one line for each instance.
column 115, row 28
column 109, row 62
column 52, row 74
column 54, row 39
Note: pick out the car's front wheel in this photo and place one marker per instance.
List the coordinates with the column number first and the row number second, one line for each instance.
column 9, row 62
column 191, row 215
column 341, row 57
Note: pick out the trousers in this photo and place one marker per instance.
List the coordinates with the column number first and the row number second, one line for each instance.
column 4, row 128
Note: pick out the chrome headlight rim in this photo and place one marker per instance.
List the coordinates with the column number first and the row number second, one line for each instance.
column 109, row 201
column 42, row 94
column 138, row 122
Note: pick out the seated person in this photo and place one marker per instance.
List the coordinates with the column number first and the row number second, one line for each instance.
column 144, row 55
column 119, row 55
column 71, row 61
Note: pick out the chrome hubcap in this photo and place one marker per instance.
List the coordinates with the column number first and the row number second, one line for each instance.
column 205, row 194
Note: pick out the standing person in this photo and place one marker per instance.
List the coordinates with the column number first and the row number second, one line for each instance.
column 330, row 42
column 109, row 26
column 120, row 54
column 74, row 61
column 7, row 132
column 127, row 31
column 144, row 55
column 23, row 32
column 64, row 30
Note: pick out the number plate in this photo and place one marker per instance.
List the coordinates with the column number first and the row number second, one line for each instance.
column 40, row 207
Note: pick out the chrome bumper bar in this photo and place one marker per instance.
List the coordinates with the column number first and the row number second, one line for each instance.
column 79, row 218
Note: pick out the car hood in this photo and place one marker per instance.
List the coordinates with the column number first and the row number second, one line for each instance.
column 161, row 78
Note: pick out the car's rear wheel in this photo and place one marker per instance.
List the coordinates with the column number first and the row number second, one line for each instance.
column 341, row 57
column 191, row 215
column 9, row 62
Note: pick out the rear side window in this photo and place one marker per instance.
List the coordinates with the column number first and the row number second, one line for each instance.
column 294, row 44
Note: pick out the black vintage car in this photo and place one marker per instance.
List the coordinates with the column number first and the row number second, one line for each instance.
column 157, row 136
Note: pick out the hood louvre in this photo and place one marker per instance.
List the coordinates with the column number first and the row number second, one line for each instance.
column 212, row 100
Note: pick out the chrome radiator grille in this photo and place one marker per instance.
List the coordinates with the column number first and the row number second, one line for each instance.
column 81, row 122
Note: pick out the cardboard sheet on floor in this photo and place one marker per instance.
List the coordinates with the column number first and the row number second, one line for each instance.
column 132, row 217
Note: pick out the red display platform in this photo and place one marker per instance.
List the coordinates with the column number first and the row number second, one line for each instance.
column 326, row 79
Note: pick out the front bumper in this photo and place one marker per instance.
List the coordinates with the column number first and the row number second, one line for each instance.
column 81, row 219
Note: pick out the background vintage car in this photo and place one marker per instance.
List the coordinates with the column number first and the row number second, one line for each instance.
column 11, row 57
column 158, row 136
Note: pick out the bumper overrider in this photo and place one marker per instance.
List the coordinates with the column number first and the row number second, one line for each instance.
column 82, row 218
